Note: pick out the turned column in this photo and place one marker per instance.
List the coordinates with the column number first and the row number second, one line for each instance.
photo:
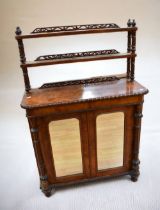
column 136, row 141
column 44, row 184
column 131, row 48
column 23, row 59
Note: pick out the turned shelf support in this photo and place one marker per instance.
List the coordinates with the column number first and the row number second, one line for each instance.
column 131, row 48
column 18, row 32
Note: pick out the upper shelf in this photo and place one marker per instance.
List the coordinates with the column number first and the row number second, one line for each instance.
column 73, row 30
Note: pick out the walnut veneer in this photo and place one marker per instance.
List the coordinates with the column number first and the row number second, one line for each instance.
column 88, row 129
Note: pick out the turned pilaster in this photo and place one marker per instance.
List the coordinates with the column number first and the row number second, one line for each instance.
column 136, row 141
column 44, row 183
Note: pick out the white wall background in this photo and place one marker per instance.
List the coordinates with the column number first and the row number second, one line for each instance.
column 19, row 177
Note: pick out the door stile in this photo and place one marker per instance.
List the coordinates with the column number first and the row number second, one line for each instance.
column 92, row 143
column 85, row 144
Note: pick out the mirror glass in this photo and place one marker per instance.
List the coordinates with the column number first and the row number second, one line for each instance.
column 66, row 146
column 110, row 140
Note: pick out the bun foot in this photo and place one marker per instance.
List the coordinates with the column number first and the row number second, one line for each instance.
column 49, row 191
column 134, row 178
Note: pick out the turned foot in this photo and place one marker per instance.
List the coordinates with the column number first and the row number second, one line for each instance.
column 49, row 191
column 135, row 172
column 134, row 178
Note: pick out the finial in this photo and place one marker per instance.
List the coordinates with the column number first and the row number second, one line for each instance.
column 131, row 23
column 18, row 31
column 134, row 23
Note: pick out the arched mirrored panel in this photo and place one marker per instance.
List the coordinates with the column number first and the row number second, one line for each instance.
column 66, row 146
column 110, row 140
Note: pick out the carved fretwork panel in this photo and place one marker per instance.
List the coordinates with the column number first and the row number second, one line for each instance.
column 76, row 55
column 74, row 28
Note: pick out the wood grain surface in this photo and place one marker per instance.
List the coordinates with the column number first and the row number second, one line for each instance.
column 80, row 93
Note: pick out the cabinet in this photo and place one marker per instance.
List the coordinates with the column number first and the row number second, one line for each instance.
column 84, row 130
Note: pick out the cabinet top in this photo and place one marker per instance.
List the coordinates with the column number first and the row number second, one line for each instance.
column 69, row 92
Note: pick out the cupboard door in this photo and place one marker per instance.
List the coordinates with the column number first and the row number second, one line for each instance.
column 110, row 132
column 68, row 142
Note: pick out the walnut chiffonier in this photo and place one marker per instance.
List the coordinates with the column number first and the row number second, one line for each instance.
column 89, row 129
